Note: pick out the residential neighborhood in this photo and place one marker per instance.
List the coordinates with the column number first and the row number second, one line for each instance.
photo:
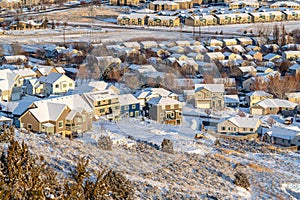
column 155, row 99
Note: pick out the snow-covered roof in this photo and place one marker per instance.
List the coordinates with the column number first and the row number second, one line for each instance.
column 47, row 111
column 210, row 87
column 293, row 95
column 245, row 122
column 276, row 103
column 7, row 79
column 142, row 68
column 260, row 93
column 26, row 72
column 231, row 98
column 127, row 99
column 51, row 78
column 283, row 132
column 163, row 101
column 284, row 3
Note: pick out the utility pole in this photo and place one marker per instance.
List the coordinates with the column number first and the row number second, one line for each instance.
column 91, row 16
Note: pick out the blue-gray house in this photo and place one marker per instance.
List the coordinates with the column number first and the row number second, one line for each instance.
column 130, row 106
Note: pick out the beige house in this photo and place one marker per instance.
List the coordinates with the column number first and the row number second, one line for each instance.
column 257, row 96
column 10, row 85
column 46, row 70
column 229, row 42
column 184, row 4
column 286, row 4
column 104, row 103
column 256, row 55
column 212, row 56
column 273, row 106
column 163, row 5
column 132, row 19
column 205, row 20
column 236, row 18
column 291, row 55
column 243, row 4
column 28, row 25
column 271, row 16
column 292, row 14
column 164, row 110
column 240, row 125
column 209, row 96
column 124, row 2
column 169, row 21
column 294, row 97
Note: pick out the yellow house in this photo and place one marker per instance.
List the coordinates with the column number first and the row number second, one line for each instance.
column 10, row 85
column 205, row 20
column 240, row 125
column 292, row 14
column 229, row 42
column 243, row 4
column 209, row 96
column 294, row 97
column 272, row 106
column 285, row 4
column 184, row 4
column 271, row 16
column 56, row 83
column 236, row 18
column 131, row 19
column 124, row 2
column 169, row 21
column 46, row 70
column 163, row 5
column 103, row 102
column 257, row 96
column 28, row 25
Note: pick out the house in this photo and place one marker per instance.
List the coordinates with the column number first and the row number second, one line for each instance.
column 164, row 110
column 45, row 117
column 46, row 70
column 17, row 59
column 285, row 4
column 130, row 106
column 26, row 73
column 235, row 18
column 232, row 56
column 240, row 125
column 198, row 21
column 257, row 96
column 256, row 55
column 229, row 42
column 273, row 106
column 244, row 41
column 132, row 19
column 285, row 136
column 78, row 118
column 294, row 70
column 56, row 83
column 10, row 85
column 291, row 55
column 292, row 14
column 94, row 86
column 209, row 96
column 243, row 4
column 293, row 97
column 184, row 4
column 264, row 70
column 147, row 93
column 271, row 57
column 28, row 25
column 124, row 2
column 168, row 21
column 196, row 49
column 214, row 42
column 163, row 5
column 269, row 48
column 33, row 86
column 247, row 70
column 103, row 103
column 148, row 44
column 232, row 101
column 268, row 16
column 212, row 56
column 133, row 45
column 235, row 49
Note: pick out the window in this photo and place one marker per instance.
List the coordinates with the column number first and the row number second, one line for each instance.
column 56, row 86
column 251, row 129
column 228, row 128
column 109, row 101
column 244, row 129
column 70, row 85
column 163, row 107
column 223, row 128
column 126, row 108
column 64, row 85
column 60, row 124
column 102, row 110
column 29, row 126
column 131, row 114
column 133, row 106
column 98, row 103
column 172, row 106
column 234, row 129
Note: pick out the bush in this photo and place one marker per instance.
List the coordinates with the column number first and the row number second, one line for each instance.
column 241, row 180
column 105, row 143
column 167, row 146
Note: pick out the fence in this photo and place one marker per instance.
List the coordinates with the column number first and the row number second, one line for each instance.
column 234, row 137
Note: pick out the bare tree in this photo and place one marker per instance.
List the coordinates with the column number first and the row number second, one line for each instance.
column 280, row 86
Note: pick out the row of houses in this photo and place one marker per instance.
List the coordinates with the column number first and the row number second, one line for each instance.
column 207, row 20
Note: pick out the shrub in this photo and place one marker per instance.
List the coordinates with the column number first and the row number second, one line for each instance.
column 241, row 180
column 167, row 146
column 105, row 143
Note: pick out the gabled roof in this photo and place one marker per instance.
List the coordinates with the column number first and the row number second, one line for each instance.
column 295, row 67
column 127, row 99
column 163, row 101
column 276, row 103
column 7, row 79
column 47, row 111
column 231, row 98
column 293, row 95
column 210, row 87
column 244, row 122
column 284, row 132
column 260, row 93
column 26, row 72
